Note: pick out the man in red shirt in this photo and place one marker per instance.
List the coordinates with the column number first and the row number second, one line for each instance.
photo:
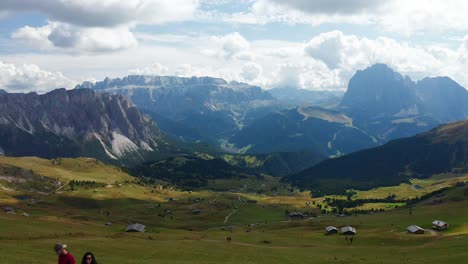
column 64, row 257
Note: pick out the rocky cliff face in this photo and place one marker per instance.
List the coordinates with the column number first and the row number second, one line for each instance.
column 379, row 92
column 192, row 108
column 75, row 123
column 444, row 99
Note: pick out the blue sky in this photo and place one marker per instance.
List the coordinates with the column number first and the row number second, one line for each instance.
column 297, row 43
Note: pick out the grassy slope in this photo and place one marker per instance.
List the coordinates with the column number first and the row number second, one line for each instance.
column 61, row 217
column 83, row 169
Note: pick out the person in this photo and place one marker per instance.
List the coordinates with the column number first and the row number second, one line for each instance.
column 64, row 257
column 89, row 258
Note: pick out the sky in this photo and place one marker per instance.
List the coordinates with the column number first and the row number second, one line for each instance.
column 309, row 44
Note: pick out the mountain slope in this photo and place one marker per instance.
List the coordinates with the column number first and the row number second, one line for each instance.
column 440, row 150
column 192, row 108
column 275, row 164
column 295, row 97
column 75, row 123
column 314, row 129
column 443, row 98
column 187, row 171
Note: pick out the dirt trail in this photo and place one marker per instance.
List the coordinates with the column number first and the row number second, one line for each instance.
column 229, row 215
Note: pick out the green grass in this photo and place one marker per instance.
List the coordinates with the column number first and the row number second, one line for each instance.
column 75, row 218
column 83, row 169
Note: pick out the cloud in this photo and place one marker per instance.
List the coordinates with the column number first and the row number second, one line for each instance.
column 330, row 6
column 308, row 75
column 153, row 69
column 402, row 17
column 251, row 71
column 29, row 77
column 347, row 53
column 57, row 35
column 107, row 13
column 231, row 46
column 429, row 16
column 327, row 61
column 95, row 26
column 330, row 48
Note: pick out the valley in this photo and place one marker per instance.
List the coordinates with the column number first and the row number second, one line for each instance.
column 238, row 132
column 191, row 226
column 221, row 171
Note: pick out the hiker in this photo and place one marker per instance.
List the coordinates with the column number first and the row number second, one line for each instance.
column 64, row 257
column 88, row 258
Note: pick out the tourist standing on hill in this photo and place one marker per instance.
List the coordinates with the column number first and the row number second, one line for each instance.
column 64, row 257
column 89, row 258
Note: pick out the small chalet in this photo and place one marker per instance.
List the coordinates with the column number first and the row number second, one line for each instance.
column 414, row 229
column 440, row 225
column 135, row 228
column 331, row 230
column 348, row 231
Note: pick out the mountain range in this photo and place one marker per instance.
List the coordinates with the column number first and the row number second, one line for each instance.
column 71, row 123
column 140, row 118
column 192, row 109
column 379, row 105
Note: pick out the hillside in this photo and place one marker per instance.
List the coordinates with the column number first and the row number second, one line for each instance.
column 311, row 129
column 444, row 149
column 276, row 164
column 188, row 171
column 301, row 97
column 66, row 169
column 181, row 226
column 76, row 123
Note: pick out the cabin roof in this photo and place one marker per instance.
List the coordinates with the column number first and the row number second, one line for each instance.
column 135, row 227
column 439, row 223
column 348, row 229
column 414, row 228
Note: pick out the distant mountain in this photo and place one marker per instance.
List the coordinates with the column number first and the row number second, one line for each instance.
column 192, row 108
column 302, row 97
column 387, row 105
column 444, row 149
column 443, row 98
column 76, row 123
column 312, row 129
column 379, row 105
column 2, row 91
column 378, row 92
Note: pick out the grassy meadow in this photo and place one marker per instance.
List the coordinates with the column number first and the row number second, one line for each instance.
column 192, row 226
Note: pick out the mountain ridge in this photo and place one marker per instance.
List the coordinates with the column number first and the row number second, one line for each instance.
column 75, row 122
column 443, row 149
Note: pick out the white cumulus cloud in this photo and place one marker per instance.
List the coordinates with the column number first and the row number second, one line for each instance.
column 29, row 77
column 251, row 71
column 107, row 13
column 56, row 35
column 231, row 46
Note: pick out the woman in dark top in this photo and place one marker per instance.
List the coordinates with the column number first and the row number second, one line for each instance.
column 89, row 258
